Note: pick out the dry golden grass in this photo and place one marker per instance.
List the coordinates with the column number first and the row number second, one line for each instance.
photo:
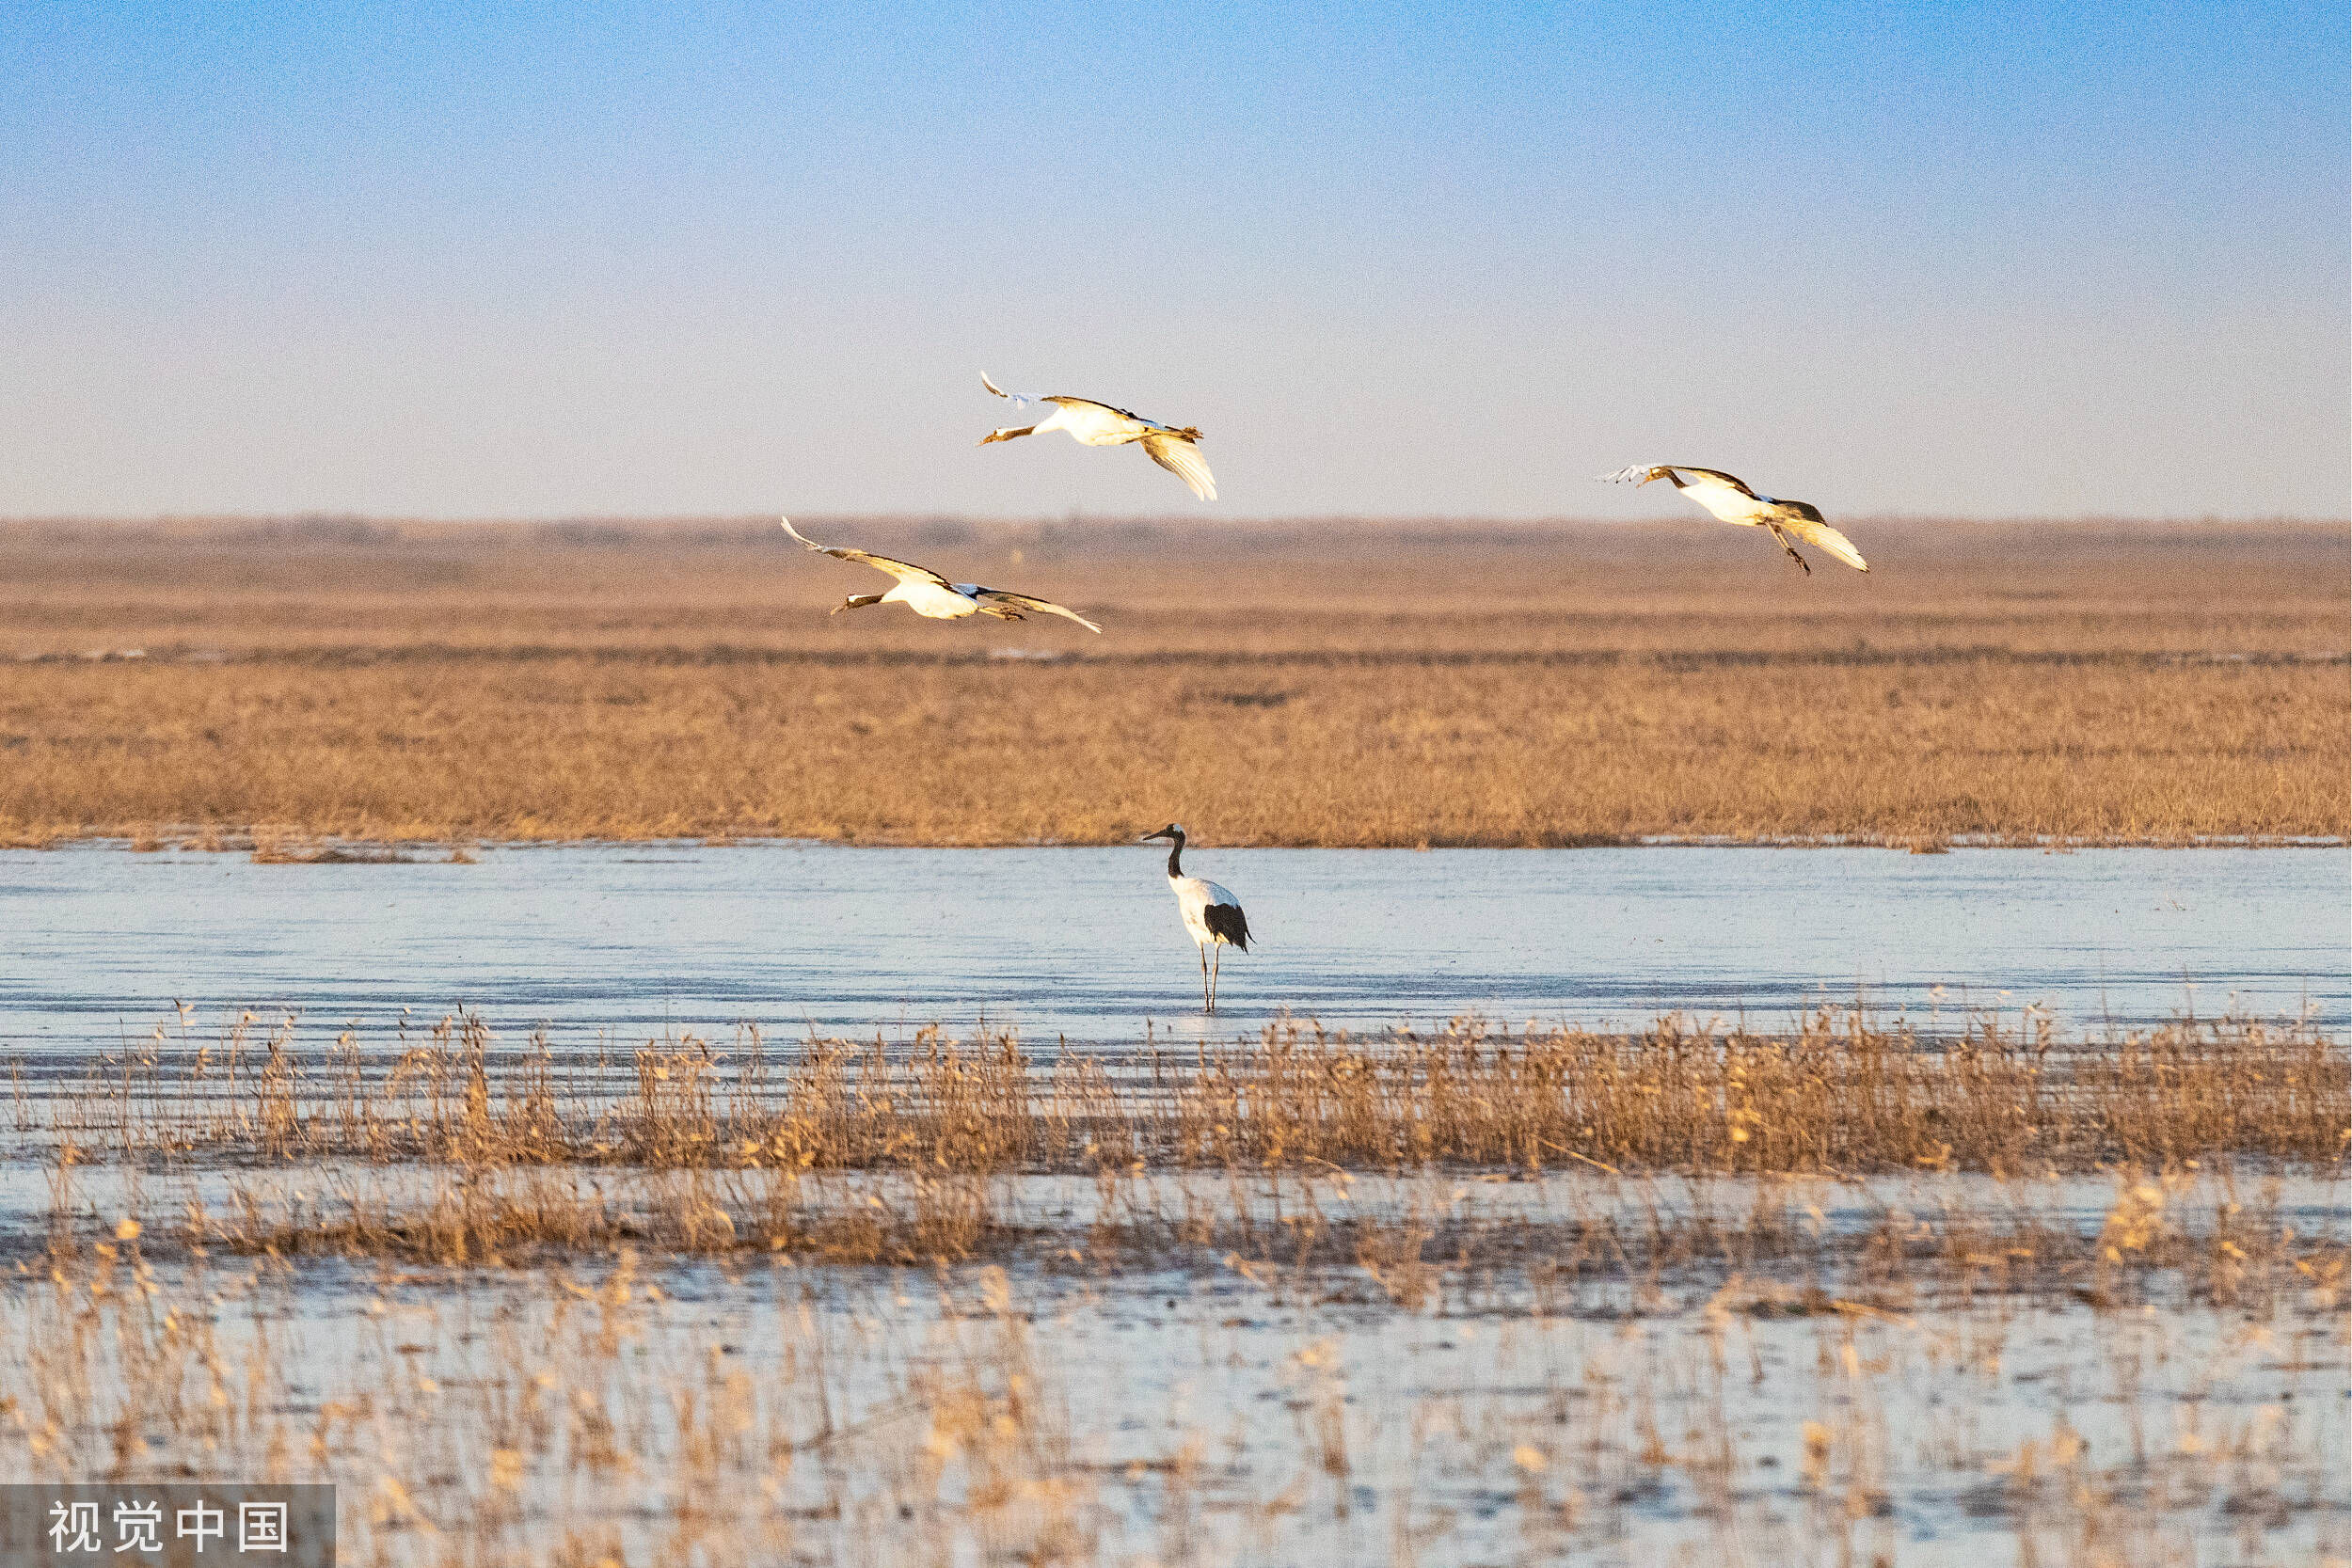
column 1487, row 1298
column 1330, row 684
column 609, row 1415
column 720, row 1151
column 1399, row 1278
column 1844, row 1093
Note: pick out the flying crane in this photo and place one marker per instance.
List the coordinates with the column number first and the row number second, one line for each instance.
column 1099, row 424
column 1734, row 502
column 927, row 594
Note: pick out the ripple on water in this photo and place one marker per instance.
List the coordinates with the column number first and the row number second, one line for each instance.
column 1084, row 942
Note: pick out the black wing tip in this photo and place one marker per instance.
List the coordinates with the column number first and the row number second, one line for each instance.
column 1227, row 924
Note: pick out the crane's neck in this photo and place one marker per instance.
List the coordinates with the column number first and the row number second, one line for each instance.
column 1175, row 869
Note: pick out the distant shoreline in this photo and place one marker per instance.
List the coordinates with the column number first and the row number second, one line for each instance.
column 335, row 850
column 1331, row 685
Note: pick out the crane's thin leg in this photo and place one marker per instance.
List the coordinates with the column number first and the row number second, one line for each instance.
column 1217, row 967
column 1208, row 997
column 1792, row 550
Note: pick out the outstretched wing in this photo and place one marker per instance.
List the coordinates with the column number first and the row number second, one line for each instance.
column 1719, row 477
column 1642, row 473
column 1019, row 399
column 1111, row 409
column 1179, row 456
column 1021, row 601
column 1808, row 526
column 902, row 570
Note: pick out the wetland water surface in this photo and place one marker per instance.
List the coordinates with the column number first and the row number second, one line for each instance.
column 1471, row 1368
column 1084, row 942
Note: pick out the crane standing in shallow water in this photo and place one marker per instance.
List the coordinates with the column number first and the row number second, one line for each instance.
column 1211, row 916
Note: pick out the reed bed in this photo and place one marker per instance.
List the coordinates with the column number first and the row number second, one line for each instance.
column 1452, row 686
column 610, row 1414
column 458, row 1149
column 1478, row 1295
column 1842, row 1093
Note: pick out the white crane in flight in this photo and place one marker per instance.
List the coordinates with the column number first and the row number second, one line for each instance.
column 1734, row 502
column 1099, row 424
column 927, row 594
column 1211, row 916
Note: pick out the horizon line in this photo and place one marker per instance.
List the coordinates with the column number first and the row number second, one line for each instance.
column 651, row 520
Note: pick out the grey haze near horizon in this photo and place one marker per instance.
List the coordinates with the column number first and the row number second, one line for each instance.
column 437, row 263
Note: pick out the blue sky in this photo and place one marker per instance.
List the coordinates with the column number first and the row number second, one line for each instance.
column 580, row 260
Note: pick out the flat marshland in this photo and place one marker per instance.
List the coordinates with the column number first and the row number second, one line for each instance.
column 1839, row 1292
column 588, row 1275
column 1340, row 683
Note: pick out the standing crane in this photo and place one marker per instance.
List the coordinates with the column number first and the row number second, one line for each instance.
column 1211, row 916
column 927, row 594
column 1733, row 502
column 1098, row 425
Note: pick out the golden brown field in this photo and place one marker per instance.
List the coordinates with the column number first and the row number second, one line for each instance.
column 1330, row 683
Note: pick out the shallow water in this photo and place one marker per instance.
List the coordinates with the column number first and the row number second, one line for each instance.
column 1084, row 942
column 1314, row 1421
